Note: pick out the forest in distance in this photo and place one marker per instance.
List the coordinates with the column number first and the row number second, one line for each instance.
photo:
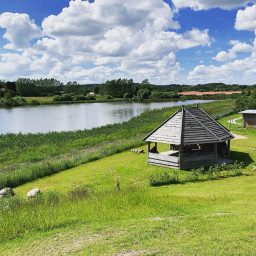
column 27, row 91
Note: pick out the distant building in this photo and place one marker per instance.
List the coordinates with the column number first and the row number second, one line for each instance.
column 249, row 118
column 91, row 93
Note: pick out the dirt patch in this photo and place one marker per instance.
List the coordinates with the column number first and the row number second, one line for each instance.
column 233, row 121
column 131, row 253
column 219, row 213
column 238, row 137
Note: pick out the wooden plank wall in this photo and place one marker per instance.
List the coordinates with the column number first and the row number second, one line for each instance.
column 162, row 160
column 249, row 120
column 190, row 161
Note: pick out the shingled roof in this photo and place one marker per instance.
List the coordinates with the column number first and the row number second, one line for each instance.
column 189, row 126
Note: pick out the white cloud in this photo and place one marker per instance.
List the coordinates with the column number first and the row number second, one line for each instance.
column 231, row 53
column 238, row 71
column 20, row 30
column 113, row 38
column 246, row 19
column 208, row 4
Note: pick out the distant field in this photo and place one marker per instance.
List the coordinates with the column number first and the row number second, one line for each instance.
column 40, row 99
column 215, row 217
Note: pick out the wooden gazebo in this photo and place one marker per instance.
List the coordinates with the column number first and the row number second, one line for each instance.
column 195, row 140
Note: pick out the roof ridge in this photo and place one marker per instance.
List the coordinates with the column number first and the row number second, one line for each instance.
column 181, row 126
column 220, row 125
column 202, row 124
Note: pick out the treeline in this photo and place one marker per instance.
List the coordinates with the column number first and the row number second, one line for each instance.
column 210, row 87
column 124, row 88
column 11, row 93
column 247, row 100
column 26, row 87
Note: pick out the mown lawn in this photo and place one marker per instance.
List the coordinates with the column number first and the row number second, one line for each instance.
column 215, row 217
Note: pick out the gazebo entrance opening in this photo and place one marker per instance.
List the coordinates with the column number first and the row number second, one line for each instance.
column 189, row 156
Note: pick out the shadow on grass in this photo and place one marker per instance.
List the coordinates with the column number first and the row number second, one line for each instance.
column 241, row 157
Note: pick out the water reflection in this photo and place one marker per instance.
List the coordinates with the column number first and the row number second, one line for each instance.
column 34, row 119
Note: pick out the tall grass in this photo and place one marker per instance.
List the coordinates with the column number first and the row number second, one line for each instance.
column 46, row 154
column 32, row 172
column 52, row 210
column 19, row 148
column 199, row 174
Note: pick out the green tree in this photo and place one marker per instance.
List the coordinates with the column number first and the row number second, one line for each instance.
column 26, row 87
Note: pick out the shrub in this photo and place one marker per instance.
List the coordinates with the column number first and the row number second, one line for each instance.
column 90, row 97
column 109, row 97
column 79, row 97
column 20, row 101
column 56, row 98
column 128, row 95
column 66, row 97
column 9, row 102
column 34, row 102
column 159, row 95
column 163, row 179
column 135, row 98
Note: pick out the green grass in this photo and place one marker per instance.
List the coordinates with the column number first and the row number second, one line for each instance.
column 213, row 217
column 55, row 152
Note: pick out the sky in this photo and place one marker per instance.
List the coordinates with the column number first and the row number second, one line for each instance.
column 165, row 41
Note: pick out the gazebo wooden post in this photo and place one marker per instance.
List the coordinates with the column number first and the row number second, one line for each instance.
column 156, row 146
column 228, row 149
column 180, row 157
column 216, row 152
column 148, row 146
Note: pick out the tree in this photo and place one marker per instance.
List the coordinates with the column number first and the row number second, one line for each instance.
column 117, row 88
column 26, row 87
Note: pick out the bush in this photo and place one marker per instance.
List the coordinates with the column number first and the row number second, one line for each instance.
column 79, row 97
column 90, row 97
column 34, row 102
column 11, row 102
column 109, row 97
column 163, row 179
column 159, row 95
column 66, row 97
column 128, row 95
column 245, row 102
column 135, row 98
column 20, row 101
column 56, row 98
column 143, row 94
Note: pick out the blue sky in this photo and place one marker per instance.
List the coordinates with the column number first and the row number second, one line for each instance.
column 178, row 41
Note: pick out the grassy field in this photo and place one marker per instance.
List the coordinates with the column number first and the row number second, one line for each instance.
column 25, row 158
column 82, row 212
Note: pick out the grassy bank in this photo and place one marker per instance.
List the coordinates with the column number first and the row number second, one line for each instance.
column 88, row 215
column 27, row 157
column 19, row 148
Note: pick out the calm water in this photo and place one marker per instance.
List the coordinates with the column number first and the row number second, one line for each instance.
column 34, row 119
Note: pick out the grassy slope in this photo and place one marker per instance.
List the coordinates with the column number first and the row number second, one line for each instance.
column 203, row 218
column 21, row 148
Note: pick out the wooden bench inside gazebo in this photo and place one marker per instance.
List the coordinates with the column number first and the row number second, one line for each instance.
column 195, row 140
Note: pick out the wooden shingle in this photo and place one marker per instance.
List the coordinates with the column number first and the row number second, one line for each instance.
column 189, row 126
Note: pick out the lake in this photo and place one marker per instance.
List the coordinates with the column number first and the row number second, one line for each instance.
column 35, row 119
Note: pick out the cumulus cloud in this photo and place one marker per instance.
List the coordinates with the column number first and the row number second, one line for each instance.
column 239, row 70
column 246, row 19
column 208, row 4
column 231, row 53
column 20, row 30
column 114, row 38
